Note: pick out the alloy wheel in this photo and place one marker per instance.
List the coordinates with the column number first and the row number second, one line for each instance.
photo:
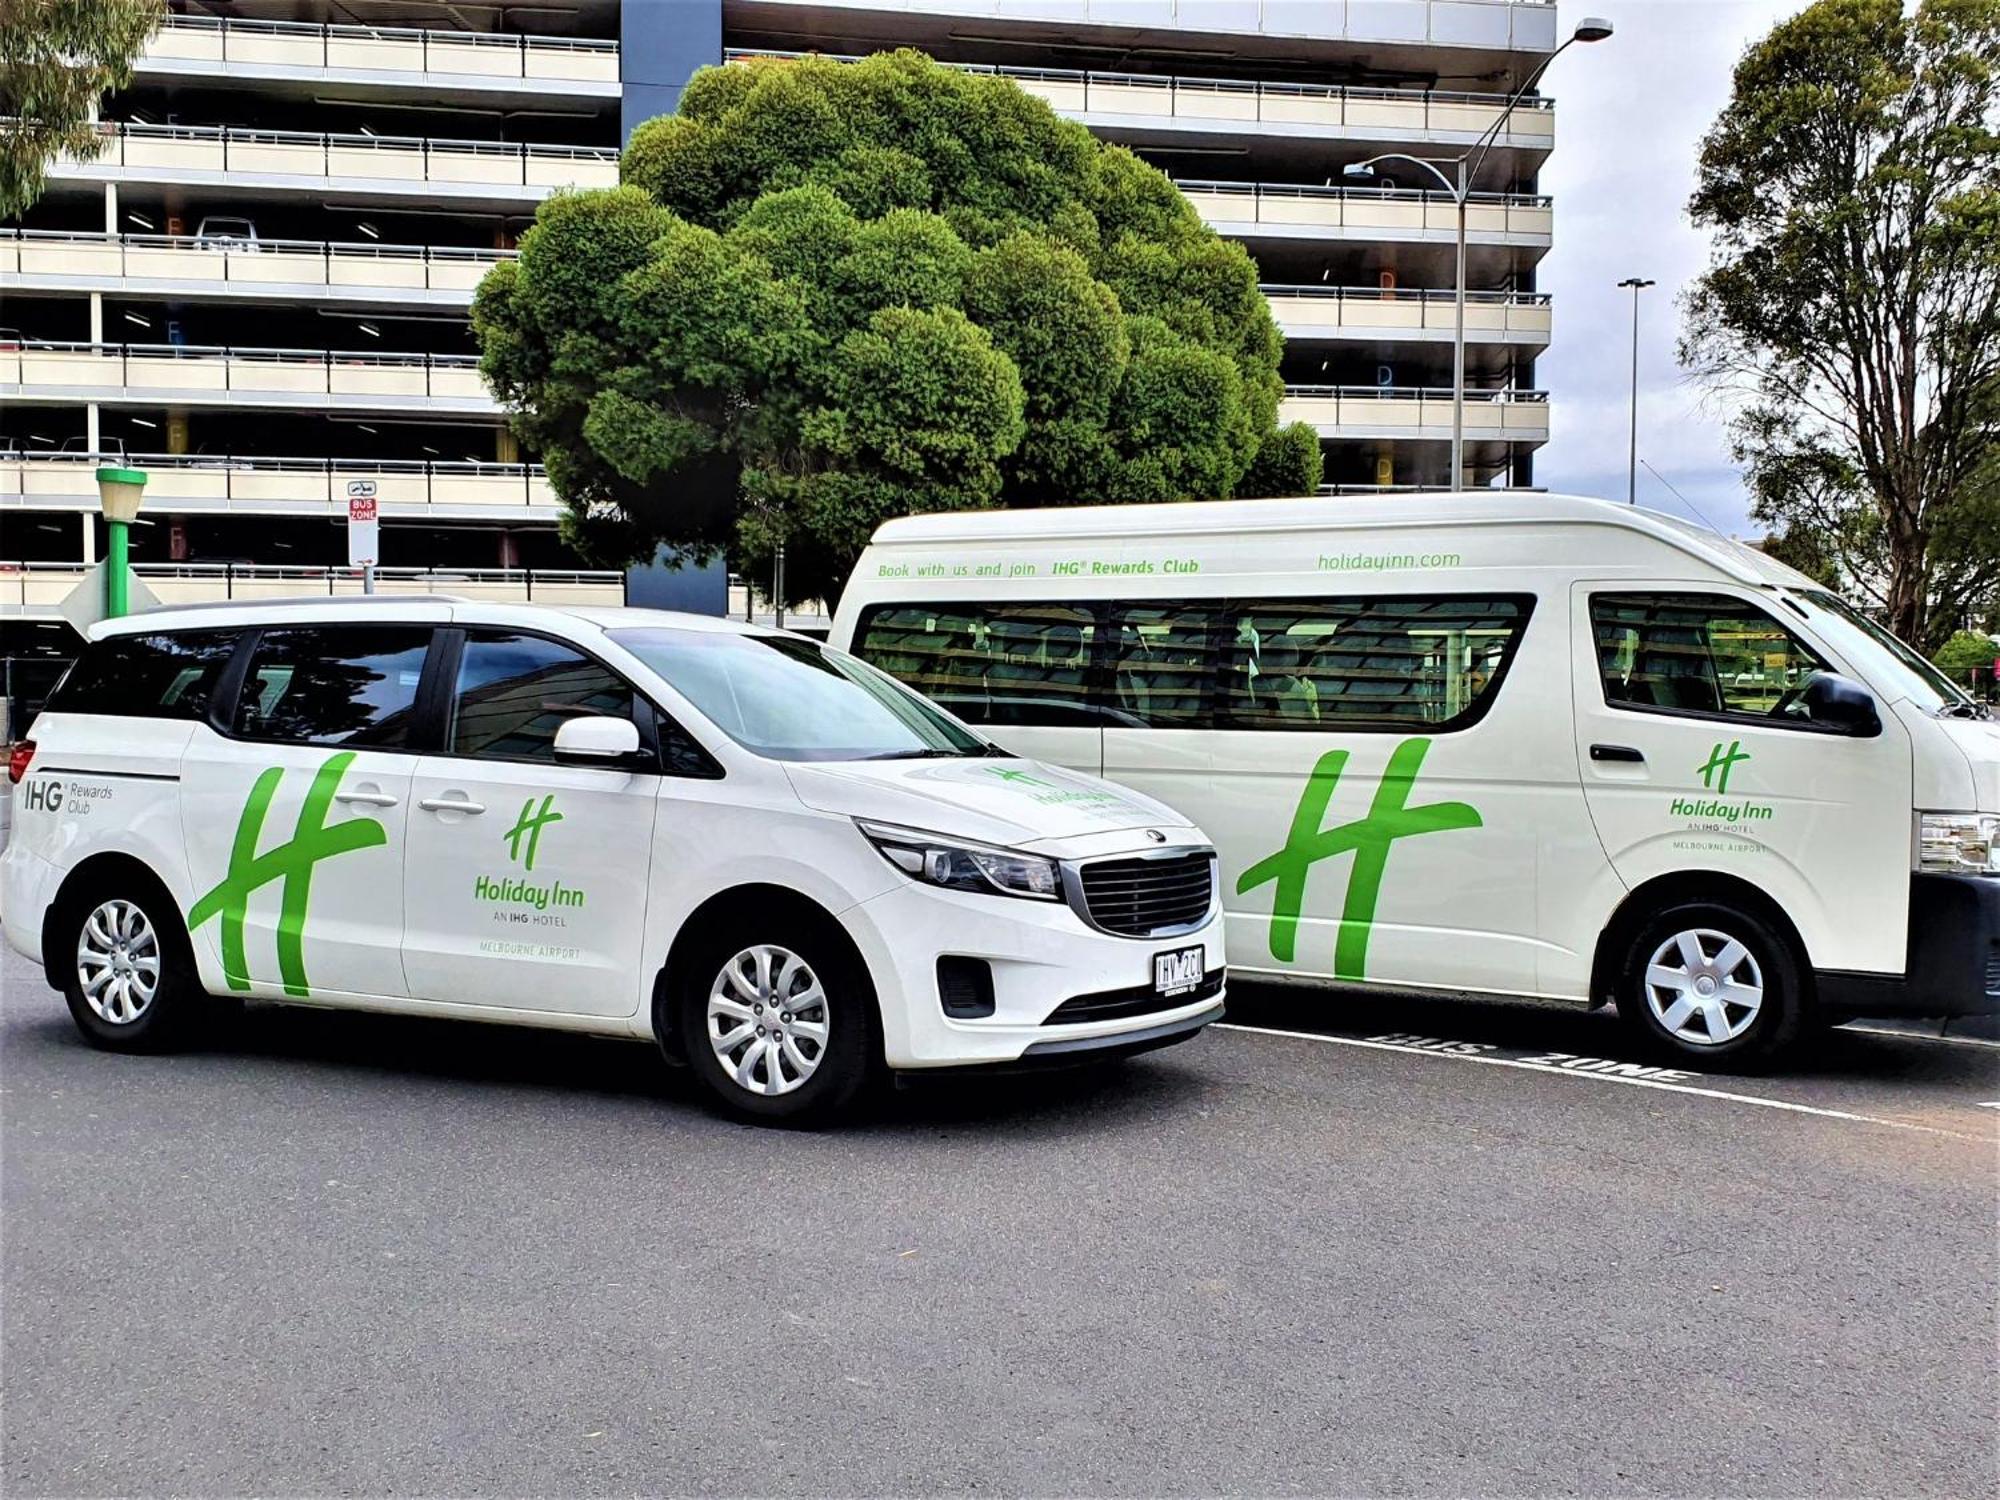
column 118, row 962
column 768, row 1020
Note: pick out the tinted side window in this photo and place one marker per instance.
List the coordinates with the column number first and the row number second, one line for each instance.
column 1359, row 663
column 1000, row 663
column 352, row 685
column 1165, row 663
column 1696, row 653
column 515, row 691
column 147, row 676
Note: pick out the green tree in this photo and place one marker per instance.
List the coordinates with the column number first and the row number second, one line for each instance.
column 830, row 293
column 1852, row 306
column 57, row 59
column 1965, row 650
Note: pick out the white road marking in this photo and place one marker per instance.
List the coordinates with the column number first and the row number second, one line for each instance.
column 1918, row 1036
column 1642, row 1083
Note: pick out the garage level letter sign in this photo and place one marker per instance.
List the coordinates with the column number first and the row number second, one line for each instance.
column 1390, row 817
column 291, row 862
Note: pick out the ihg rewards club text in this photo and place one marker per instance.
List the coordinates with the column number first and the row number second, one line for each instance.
column 1143, row 567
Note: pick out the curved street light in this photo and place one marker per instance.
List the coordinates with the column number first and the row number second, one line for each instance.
column 1459, row 187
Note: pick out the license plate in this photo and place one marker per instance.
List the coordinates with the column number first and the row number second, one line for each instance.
column 1178, row 972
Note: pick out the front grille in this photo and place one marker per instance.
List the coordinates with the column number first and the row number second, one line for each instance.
column 1140, row 1000
column 1148, row 897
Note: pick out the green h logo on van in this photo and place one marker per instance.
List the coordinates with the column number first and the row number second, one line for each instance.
column 1390, row 817
column 292, row 862
column 529, row 826
column 1715, row 770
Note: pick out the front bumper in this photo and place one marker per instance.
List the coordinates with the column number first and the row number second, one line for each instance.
column 1952, row 967
column 1040, row 955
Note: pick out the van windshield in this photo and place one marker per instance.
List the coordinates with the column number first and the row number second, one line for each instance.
column 793, row 699
column 1917, row 679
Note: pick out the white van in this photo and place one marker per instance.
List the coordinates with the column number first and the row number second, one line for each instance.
column 778, row 862
column 1513, row 744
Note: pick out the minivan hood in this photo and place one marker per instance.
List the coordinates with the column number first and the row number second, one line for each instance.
column 1007, row 801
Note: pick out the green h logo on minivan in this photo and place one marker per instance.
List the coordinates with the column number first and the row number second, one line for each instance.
column 529, row 826
column 1390, row 817
column 1715, row 770
column 292, row 862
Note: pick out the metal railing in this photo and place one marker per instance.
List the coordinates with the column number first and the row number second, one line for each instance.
column 258, row 484
column 1510, row 415
column 382, row 49
column 1521, row 25
column 1198, row 102
column 294, row 153
column 40, row 587
column 78, row 256
column 1227, row 205
column 1379, row 311
column 192, row 372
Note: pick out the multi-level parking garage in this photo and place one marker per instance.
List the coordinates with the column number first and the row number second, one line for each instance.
column 258, row 290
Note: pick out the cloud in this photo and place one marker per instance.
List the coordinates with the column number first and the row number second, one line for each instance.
column 1631, row 113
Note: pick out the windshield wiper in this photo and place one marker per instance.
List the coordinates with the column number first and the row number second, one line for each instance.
column 1966, row 709
column 924, row 754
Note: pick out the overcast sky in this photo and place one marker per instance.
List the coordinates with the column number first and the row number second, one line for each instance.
column 1631, row 115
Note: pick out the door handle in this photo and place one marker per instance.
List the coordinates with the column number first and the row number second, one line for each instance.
column 365, row 799
column 1617, row 752
column 458, row 804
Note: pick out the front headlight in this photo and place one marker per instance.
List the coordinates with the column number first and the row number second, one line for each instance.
column 1958, row 843
column 960, row 866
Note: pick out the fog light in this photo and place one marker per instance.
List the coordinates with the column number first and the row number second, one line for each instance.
column 965, row 987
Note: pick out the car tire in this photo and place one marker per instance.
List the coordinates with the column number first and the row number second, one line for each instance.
column 1713, row 984
column 778, row 1021
column 127, row 970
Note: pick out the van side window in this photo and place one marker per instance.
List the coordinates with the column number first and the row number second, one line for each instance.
column 353, row 685
column 1163, row 664
column 1000, row 663
column 514, row 692
column 147, row 676
column 1696, row 653
column 1359, row 663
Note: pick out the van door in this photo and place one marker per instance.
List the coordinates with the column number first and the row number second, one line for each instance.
column 1696, row 756
column 295, row 819
column 528, row 879
column 1025, row 673
column 1386, row 784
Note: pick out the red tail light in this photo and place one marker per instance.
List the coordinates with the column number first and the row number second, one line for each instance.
column 18, row 756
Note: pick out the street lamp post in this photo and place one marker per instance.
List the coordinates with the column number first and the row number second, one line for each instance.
column 1638, row 285
column 1459, row 187
column 119, row 492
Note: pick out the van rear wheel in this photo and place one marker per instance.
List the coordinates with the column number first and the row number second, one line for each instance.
column 776, row 1025
column 127, row 973
column 1713, row 984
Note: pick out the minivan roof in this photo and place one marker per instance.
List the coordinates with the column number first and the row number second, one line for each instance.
column 320, row 610
column 1320, row 513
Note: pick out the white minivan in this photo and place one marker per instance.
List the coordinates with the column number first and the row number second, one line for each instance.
column 1499, row 743
column 780, row 863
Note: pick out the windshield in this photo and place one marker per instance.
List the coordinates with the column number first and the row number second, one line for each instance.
column 1916, row 678
column 793, row 699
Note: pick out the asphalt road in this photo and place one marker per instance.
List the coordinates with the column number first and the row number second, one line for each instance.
column 342, row 1254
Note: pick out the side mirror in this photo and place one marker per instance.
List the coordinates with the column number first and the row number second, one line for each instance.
column 596, row 740
column 1841, row 704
